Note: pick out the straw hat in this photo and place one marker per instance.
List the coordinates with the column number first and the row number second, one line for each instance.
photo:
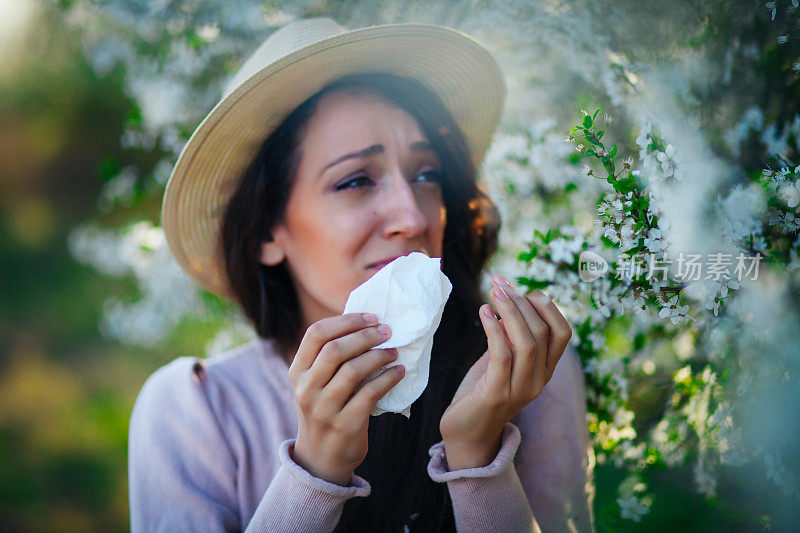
column 290, row 66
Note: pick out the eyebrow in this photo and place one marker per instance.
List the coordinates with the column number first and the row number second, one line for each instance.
column 420, row 146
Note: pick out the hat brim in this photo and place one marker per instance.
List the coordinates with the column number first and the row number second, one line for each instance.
column 209, row 169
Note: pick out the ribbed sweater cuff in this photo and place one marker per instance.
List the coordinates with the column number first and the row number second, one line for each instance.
column 297, row 502
column 488, row 498
column 357, row 486
column 439, row 471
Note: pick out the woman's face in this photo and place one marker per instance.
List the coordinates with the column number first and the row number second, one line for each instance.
column 366, row 191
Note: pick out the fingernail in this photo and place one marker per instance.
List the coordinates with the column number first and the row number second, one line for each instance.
column 384, row 329
column 499, row 294
column 370, row 318
column 486, row 311
column 543, row 297
column 506, row 284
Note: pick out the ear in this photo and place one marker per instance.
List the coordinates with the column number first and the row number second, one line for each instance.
column 271, row 253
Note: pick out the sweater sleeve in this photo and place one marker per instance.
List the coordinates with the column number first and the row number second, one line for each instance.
column 296, row 501
column 182, row 470
column 488, row 498
column 555, row 458
column 541, row 469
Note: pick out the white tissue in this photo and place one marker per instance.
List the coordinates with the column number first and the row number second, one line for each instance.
column 409, row 295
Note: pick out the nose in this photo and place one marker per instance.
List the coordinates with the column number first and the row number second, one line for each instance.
column 401, row 208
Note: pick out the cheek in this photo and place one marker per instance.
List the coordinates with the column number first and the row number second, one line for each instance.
column 442, row 217
column 350, row 228
column 436, row 217
column 436, row 214
column 333, row 232
column 440, row 229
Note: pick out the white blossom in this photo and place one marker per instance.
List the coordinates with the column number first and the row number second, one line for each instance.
column 793, row 261
column 785, row 222
column 790, row 193
column 706, row 483
column 775, row 144
column 119, row 190
column 752, row 121
column 771, row 6
column 564, row 250
column 741, row 212
column 633, row 506
column 528, row 155
column 139, row 250
column 655, row 240
column 544, row 270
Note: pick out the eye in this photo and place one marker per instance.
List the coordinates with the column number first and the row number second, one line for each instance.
column 433, row 176
column 356, row 182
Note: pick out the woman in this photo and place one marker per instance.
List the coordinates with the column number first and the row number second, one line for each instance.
column 368, row 155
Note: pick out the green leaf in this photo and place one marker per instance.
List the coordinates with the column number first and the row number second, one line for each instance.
column 534, row 284
column 600, row 134
column 193, row 40
column 570, row 187
column 530, row 255
column 608, row 242
column 587, row 122
column 108, row 167
column 639, row 341
column 595, row 113
column 613, row 151
column 134, row 117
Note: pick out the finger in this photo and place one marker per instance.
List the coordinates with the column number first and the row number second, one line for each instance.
column 525, row 327
column 336, row 352
column 363, row 402
column 498, row 372
column 345, row 383
column 508, row 341
column 324, row 330
column 538, row 374
column 560, row 330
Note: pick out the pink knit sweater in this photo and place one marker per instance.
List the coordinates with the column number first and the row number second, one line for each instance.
column 210, row 450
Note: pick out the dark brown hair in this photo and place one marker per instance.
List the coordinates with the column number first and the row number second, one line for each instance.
column 395, row 466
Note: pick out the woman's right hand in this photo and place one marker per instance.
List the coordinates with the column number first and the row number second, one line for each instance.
column 332, row 359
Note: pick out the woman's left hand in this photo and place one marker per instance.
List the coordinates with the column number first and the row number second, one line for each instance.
column 524, row 347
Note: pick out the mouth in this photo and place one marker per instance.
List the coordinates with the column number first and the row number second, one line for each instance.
column 379, row 265
column 383, row 262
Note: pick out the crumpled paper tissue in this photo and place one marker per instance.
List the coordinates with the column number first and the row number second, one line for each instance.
column 409, row 295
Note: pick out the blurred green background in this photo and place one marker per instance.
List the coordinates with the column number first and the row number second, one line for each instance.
column 66, row 392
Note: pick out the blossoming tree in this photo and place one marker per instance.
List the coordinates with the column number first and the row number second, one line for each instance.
column 667, row 228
